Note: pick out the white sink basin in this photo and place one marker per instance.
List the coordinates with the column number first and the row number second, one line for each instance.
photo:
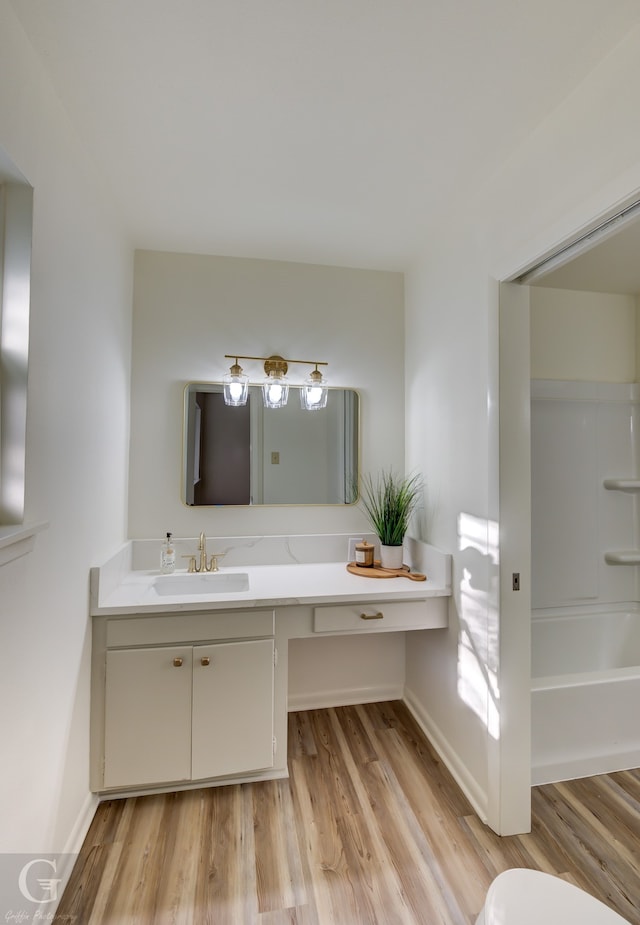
column 210, row 583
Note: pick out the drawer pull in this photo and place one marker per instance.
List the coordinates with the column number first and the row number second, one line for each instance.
column 177, row 662
column 372, row 616
column 205, row 660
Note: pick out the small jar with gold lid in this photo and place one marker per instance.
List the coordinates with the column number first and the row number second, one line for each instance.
column 364, row 554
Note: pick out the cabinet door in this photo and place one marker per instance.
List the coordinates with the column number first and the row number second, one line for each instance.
column 147, row 716
column 232, row 708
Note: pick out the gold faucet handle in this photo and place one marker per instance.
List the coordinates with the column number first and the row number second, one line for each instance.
column 213, row 564
column 192, row 563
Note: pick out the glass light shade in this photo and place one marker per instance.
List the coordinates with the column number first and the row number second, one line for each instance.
column 275, row 392
column 314, row 393
column 235, row 387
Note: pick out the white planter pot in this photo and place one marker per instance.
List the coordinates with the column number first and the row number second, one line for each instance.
column 391, row 556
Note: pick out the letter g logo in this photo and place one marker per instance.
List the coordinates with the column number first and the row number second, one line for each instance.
column 48, row 886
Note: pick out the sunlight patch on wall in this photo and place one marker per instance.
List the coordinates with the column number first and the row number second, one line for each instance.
column 478, row 639
column 15, row 320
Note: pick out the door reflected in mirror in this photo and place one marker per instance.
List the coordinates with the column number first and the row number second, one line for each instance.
column 256, row 455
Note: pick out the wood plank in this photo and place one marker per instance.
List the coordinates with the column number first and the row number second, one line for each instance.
column 280, row 883
column 418, row 820
column 179, row 863
column 225, row 892
column 137, row 878
column 300, row 736
column 320, row 842
column 604, row 872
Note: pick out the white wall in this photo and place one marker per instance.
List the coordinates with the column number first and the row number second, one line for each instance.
column 190, row 310
column 447, row 363
column 589, row 336
column 77, row 443
column 327, row 671
column 583, row 159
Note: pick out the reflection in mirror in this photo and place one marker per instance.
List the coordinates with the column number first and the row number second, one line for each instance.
column 258, row 455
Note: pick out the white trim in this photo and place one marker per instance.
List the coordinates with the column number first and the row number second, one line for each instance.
column 343, row 697
column 180, row 786
column 574, row 768
column 574, row 248
column 79, row 831
column 456, row 767
column 614, row 198
column 17, row 540
column 73, row 845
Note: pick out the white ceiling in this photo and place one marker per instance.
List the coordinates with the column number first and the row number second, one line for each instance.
column 329, row 131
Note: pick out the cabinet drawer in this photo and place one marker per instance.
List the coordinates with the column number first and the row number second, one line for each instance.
column 381, row 616
column 196, row 627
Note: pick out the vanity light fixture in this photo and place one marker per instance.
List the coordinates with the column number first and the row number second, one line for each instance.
column 275, row 389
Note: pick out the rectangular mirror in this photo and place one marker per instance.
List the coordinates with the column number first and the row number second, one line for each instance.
column 257, row 455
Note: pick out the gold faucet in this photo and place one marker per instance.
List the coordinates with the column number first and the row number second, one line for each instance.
column 204, row 566
column 202, row 547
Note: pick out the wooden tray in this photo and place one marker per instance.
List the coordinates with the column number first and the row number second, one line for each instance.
column 375, row 571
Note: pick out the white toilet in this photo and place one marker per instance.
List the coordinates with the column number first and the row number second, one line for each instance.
column 530, row 897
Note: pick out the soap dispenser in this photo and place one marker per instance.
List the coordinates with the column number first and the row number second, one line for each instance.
column 167, row 556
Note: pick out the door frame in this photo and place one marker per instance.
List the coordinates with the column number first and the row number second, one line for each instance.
column 509, row 752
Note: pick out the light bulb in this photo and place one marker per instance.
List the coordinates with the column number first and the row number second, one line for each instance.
column 275, row 392
column 235, row 390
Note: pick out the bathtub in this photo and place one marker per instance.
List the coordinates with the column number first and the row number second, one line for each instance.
column 585, row 692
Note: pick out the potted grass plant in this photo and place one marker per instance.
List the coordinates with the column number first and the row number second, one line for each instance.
column 389, row 501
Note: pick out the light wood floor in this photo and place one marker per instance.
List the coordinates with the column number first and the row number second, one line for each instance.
column 370, row 828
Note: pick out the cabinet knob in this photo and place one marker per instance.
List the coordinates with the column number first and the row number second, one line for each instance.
column 205, row 660
column 177, row 662
column 372, row 616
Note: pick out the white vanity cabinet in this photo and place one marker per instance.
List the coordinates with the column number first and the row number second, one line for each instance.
column 185, row 711
column 192, row 688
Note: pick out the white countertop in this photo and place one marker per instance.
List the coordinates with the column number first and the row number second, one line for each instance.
column 269, row 586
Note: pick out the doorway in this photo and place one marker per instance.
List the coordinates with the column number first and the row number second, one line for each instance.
column 592, row 262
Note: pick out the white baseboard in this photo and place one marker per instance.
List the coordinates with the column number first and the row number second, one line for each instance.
column 178, row 787
column 574, row 768
column 73, row 845
column 81, row 827
column 344, row 697
column 469, row 786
